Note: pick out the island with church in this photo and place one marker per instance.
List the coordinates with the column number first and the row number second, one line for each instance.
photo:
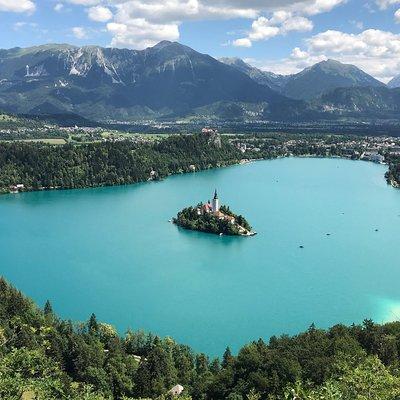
column 211, row 217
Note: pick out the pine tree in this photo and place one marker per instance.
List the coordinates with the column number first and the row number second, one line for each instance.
column 227, row 358
column 48, row 309
column 93, row 325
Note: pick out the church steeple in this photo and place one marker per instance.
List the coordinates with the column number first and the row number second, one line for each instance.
column 215, row 202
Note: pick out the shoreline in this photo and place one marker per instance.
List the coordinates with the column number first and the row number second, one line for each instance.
column 243, row 161
column 252, row 233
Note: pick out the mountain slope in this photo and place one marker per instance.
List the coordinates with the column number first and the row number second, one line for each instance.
column 325, row 76
column 360, row 102
column 105, row 83
column 170, row 81
column 395, row 82
column 273, row 81
column 311, row 82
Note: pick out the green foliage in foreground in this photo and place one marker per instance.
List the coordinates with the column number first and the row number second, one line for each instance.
column 393, row 174
column 39, row 165
column 189, row 218
column 45, row 358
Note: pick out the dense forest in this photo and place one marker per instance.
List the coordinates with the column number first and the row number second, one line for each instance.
column 42, row 166
column 45, row 358
column 79, row 164
column 393, row 173
column 190, row 218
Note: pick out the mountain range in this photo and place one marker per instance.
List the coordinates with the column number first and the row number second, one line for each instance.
column 171, row 81
column 312, row 81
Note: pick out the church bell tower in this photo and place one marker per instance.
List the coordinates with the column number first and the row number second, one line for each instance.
column 215, row 202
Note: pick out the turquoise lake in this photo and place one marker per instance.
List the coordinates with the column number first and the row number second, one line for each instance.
column 112, row 251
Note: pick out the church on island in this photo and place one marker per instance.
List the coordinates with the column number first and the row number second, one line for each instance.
column 212, row 217
column 213, row 207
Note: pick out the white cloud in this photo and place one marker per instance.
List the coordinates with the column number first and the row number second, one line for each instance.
column 397, row 16
column 227, row 12
column 181, row 10
column 244, row 42
column 99, row 14
column 320, row 6
column 18, row 6
column 85, row 2
column 163, row 17
column 58, row 7
column 139, row 33
column 371, row 43
column 384, row 4
column 280, row 23
column 374, row 51
column 157, row 11
column 288, row 65
column 291, row 16
column 262, row 30
column 79, row 32
column 298, row 54
column 280, row 16
column 300, row 24
column 19, row 25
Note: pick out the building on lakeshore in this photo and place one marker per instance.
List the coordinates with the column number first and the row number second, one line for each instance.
column 373, row 156
column 176, row 390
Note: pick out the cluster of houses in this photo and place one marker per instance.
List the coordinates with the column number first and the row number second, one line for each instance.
column 209, row 131
column 373, row 156
column 363, row 147
column 17, row 188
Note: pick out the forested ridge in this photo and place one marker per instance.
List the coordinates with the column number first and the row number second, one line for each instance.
column 43, row 166
column 44, row 357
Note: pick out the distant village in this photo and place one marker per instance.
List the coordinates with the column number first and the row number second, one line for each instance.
column 251, row 145
column 368, row 148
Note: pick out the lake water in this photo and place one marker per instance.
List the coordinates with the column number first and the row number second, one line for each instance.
column 112, row 251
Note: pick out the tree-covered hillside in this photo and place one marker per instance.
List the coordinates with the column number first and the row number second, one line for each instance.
column 38, row 166
column 45, row 358
column 393, row 173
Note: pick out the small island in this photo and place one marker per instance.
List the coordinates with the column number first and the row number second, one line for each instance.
column 213, row 218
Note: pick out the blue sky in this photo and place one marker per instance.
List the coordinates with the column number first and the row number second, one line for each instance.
column 283, row 36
